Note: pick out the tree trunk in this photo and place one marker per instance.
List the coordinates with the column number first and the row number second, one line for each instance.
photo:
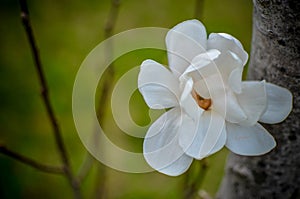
column 275, row 57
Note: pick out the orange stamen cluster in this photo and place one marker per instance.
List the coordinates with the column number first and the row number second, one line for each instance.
column 203, row 103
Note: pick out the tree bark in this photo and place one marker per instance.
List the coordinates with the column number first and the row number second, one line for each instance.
column 275, row 57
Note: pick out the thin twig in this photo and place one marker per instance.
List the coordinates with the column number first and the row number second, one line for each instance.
column 85, row 167
column 199, row 9
column 105, row 90
column 30, row 162
column 201, row 175
column 112, row 18
column 100, row 191
column 101, row 182
column 108, row 31
column 194, row 179
column 45, row 95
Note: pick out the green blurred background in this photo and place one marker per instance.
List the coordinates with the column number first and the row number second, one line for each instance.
column 66, row 31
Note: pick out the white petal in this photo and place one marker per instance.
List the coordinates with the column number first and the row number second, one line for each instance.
column 201, row 89
column 205, row 73
column 203, row 65
column 158, row 86
column 161, row 148
column 233, row 111
column 235, row 79
column 249, row 140
column 204, row 137
column 225, row 42
column 225, row 66
column 223, row 99
column 187, row 88
column 253, row 101
column 231, row 68
column 279, row 104
column 178, row 167
column 187, row 102
column 227, row 105
column 184, row 42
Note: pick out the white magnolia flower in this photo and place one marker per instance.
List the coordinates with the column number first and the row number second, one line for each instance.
column 210, row 106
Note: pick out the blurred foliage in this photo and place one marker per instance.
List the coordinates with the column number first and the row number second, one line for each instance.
column 66, row 31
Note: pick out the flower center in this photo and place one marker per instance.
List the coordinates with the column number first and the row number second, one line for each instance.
column 203, row 103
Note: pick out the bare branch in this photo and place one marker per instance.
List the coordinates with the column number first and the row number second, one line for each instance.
column 30, row 162
column 45, row 95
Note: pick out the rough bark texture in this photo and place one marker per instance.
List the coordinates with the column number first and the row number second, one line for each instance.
column 275, row 57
